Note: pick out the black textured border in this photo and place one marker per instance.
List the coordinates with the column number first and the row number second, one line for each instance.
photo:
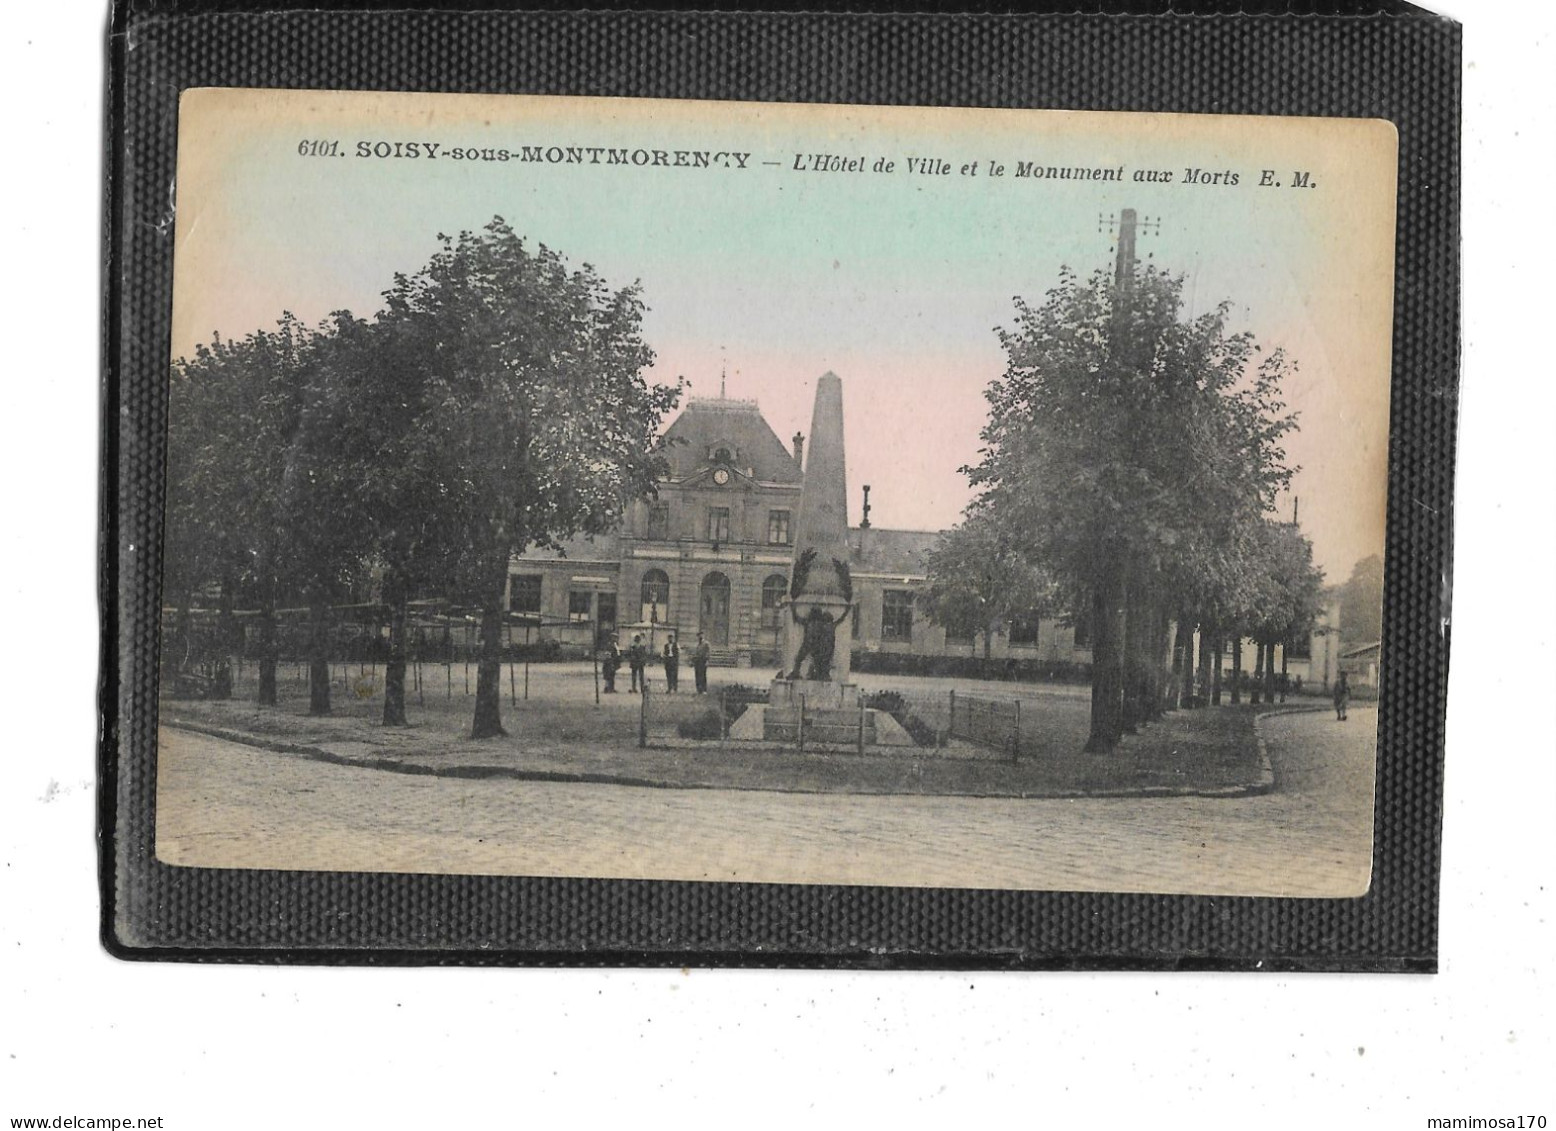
column 1382, row 61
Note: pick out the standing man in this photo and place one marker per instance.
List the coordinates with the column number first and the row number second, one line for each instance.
column 672, row 658
column 700, row 663
column 1342, row 697
column 612, row 665
column 637, row 661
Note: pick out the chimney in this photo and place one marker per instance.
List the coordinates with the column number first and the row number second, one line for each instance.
column 799, row 449
column 864, row 526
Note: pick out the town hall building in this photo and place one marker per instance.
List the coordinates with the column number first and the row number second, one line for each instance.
column 712, row 553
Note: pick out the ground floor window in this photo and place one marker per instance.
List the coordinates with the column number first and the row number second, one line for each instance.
column 524, row 593
column 605, row 617
column 580, row 605
column 1024, row 628
column 962, row 630
column 897, row 614
column 656, row 595
column 773, row 590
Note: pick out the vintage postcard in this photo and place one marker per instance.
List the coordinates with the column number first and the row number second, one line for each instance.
column 809, row 494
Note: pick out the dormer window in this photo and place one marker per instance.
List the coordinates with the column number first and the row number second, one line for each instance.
column 722, row 453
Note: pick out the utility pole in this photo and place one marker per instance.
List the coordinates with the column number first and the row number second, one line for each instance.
column 1128, row 225
column 1124, row 261
column 1127, row 616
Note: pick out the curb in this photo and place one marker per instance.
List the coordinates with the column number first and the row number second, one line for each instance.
column 1262, row 785
column 416, row 769
column 1267, row 771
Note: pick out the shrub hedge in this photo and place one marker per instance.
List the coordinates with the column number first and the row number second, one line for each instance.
column 971, row 667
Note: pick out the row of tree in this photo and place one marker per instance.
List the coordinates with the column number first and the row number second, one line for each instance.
column 1130, row 465
column 497, row 402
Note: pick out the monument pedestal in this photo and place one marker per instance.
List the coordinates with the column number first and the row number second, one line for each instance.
column 817, row 711
column 816, row 694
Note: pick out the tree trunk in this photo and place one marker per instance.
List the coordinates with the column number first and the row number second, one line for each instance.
column 1182, row 665
column 488, row 681
column 226, row 638
column 267, row 643
column 1269, row 672
column 1147, row 665
column 318, row 656
column 183, row 625
column 1134, row 623
column 396, row 593
column 1215, row 672
column 1285, row 679
column 1205, row 653
column 1256, row 691
column 1162, row 683
column 1237, row 668
column 1107, row 667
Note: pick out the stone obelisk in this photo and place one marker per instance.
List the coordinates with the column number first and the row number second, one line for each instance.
column 818, row 630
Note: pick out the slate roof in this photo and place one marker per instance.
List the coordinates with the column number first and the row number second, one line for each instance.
column 709, row 422
column 898, row 553
column 599, row 548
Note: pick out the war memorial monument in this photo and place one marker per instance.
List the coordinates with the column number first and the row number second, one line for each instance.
column 812, row 701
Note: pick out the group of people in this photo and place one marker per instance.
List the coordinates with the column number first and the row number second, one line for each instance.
column 637, row 658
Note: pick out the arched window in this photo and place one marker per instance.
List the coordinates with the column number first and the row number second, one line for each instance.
column 773, row 590
column 656, row 596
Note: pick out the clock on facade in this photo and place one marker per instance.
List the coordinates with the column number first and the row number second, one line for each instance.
column 721, row 476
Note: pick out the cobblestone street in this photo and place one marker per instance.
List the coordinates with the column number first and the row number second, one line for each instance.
column 223, row 804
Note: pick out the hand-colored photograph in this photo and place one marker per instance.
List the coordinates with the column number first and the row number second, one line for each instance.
column 748, row 492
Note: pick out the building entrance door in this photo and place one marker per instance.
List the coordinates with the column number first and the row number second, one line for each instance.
column 714, row 621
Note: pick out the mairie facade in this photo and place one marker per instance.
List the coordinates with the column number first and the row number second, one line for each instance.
column 712, row 554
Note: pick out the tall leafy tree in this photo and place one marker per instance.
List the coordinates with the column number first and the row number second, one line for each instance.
column 980, row 578
column 1290, row 600
column 396, row 491
column 328, row 492
column 234, row 409
column 1130, row 447
column 1361, row 603
column 537, row 419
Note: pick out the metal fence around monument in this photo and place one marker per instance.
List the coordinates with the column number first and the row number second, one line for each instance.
column 992, row 723
column 901, row 723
